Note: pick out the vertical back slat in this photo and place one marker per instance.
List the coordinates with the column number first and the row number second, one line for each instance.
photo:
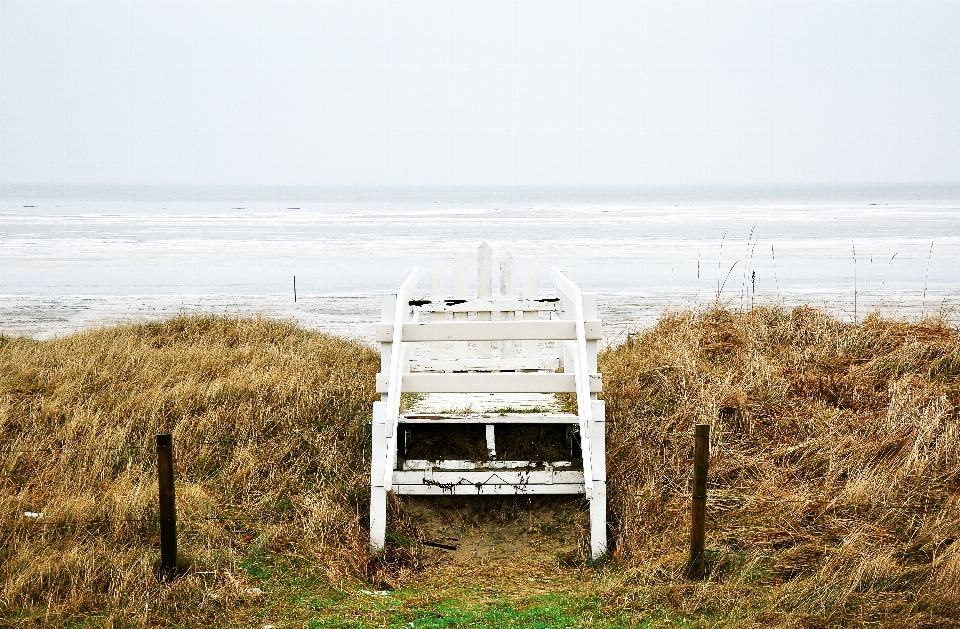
column 508, row 290
column 438, row 292
column 531, row 290
column 484, row 291
column 590, row 313
column 388, row 310
column 460, row 262
column 564, row 311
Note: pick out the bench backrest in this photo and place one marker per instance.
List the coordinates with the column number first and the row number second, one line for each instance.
column 459, row 344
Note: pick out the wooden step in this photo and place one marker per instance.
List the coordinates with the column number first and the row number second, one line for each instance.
column 489, row 418
column 548, row 304
column 483, row 364
column 473, row 483
column 462, row 465
column 555, row 330
column 488, row 383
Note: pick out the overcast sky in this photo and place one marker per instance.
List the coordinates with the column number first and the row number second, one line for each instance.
column 483, row 92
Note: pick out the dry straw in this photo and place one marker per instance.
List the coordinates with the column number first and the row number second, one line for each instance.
column 834, row 478
column 839, row 445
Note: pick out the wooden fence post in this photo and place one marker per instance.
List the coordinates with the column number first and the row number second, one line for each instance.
column 168, row 506
column 698, row 503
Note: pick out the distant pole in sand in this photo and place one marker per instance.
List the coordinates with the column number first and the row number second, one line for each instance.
column 854, row 282
column 698, row 508
column 294, row 289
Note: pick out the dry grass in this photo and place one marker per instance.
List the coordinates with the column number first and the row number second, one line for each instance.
column 823, row 432
column 840, row 442
column 103, row 395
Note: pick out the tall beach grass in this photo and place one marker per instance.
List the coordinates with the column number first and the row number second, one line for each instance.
column 834, row 479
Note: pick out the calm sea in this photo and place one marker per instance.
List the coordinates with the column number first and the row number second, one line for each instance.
column 78, row 257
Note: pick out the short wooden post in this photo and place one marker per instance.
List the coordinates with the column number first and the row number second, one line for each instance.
column 168, row 506
column 698, row 503
column 294, row 289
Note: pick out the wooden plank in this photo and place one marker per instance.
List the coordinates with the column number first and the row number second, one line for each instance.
column 507, row 291
column 485, row 364
column 598, row 441
column 488, row 383
column 598, row 470
column 378, row 518
column 484, row 291
column 489, row 489
column 462, row 465
column 378, row 495
column 388, row 308
column 598, row 519
column 545, row 304
column 488, row 331
column 531, row 292
column 460, row 293
column 590, row 312
column 563, row 284
column 491, row 418
column 397, row 362
column 471, row 478
column 491, row 441
column 438, row 290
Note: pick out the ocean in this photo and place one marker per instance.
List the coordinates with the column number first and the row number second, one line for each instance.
column 73, row 258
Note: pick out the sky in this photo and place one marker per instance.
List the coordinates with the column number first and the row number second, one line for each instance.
column 489, row 92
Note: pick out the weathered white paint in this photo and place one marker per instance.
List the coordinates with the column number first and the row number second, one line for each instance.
column 546, row 304
column 438, row 291
column 508, row 290
column 460, row 262
column 491, row 383
column 401, row 315
column 485, row 364
column 459, row 464
column 480, row 477
column 489, row 418
column 484, row 291
column 378, row 494
column 583, row 385
column 530, row 488
column 489, row 331
column 388, row 308
column 531, row 292
column 572, row 323
column 472, row 478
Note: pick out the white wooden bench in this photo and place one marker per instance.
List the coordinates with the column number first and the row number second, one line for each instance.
column 453, row 345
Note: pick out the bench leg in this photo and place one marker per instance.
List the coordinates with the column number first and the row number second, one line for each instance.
column 598, row 501
column 598, row 520
column 378, row 518
column 378, row 493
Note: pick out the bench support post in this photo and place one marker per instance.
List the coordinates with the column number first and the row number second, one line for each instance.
column 598, row 498
column 378, row 493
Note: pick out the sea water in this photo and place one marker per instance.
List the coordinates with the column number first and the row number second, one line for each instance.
column 73, row 258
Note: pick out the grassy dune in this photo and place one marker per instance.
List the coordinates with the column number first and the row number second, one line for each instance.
column 834, row 480
column 838, row 445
